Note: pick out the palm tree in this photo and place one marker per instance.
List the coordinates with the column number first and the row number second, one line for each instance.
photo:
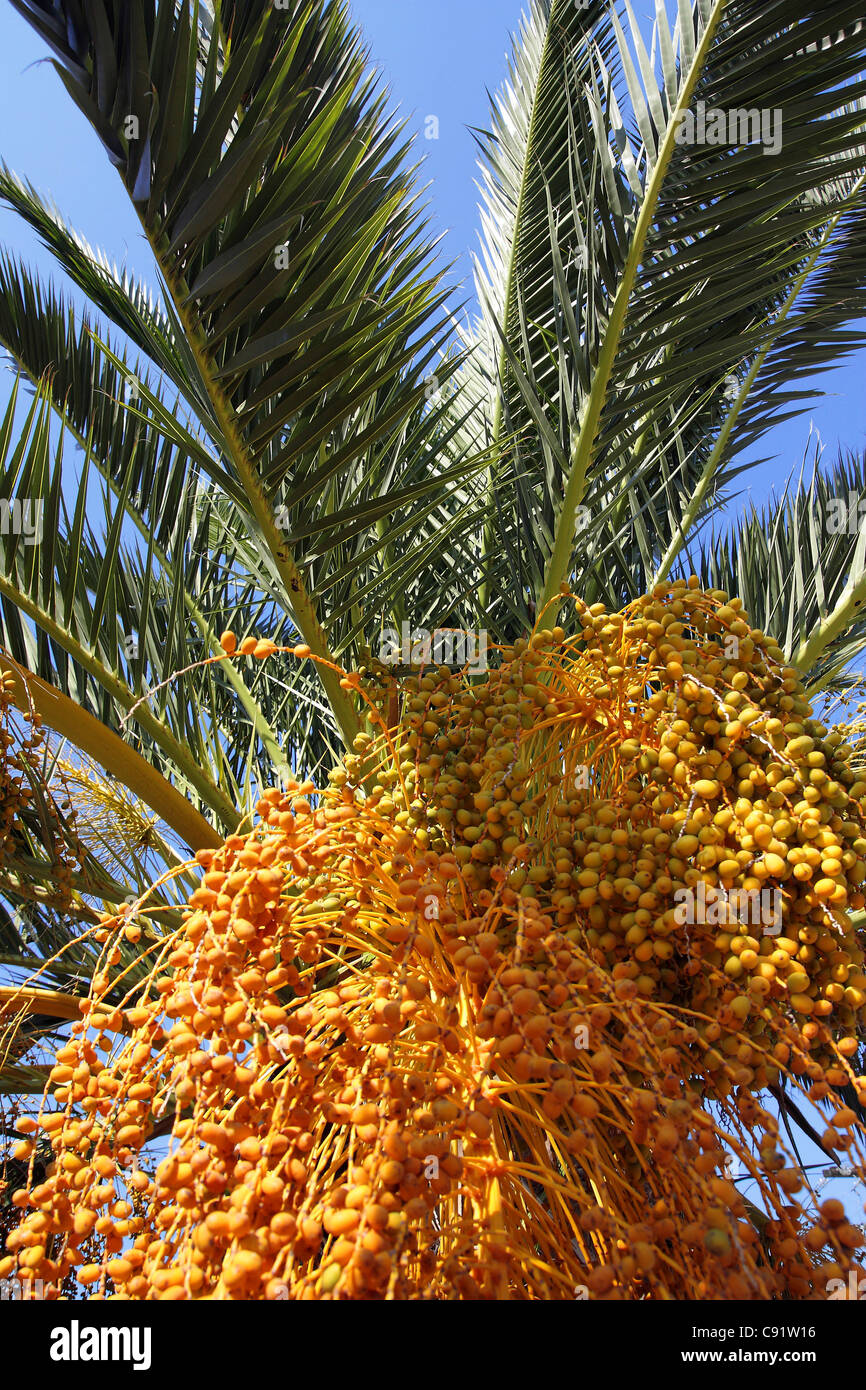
column 286, row 434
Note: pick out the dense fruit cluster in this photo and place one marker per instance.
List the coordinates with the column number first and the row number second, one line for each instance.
column 656, row 777
column 438, row 1032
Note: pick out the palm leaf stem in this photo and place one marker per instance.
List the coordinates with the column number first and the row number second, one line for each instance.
column 559, row 562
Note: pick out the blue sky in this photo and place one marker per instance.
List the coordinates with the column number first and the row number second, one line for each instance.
column 440, row 59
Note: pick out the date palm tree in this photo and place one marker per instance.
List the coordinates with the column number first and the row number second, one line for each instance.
column 285, row 433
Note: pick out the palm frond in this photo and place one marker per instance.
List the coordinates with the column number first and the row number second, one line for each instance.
column 799, row 566
column 645, row 292
column 273, row 192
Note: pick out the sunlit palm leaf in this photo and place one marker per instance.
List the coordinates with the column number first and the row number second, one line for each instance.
column 799, row 565
column 632, row 281
column 274, row 196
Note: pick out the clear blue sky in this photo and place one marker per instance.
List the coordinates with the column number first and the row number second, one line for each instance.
column 440, row 59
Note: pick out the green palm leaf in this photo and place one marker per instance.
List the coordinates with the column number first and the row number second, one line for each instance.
column 638, row 291
column 293, row 255
column 799, row 565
